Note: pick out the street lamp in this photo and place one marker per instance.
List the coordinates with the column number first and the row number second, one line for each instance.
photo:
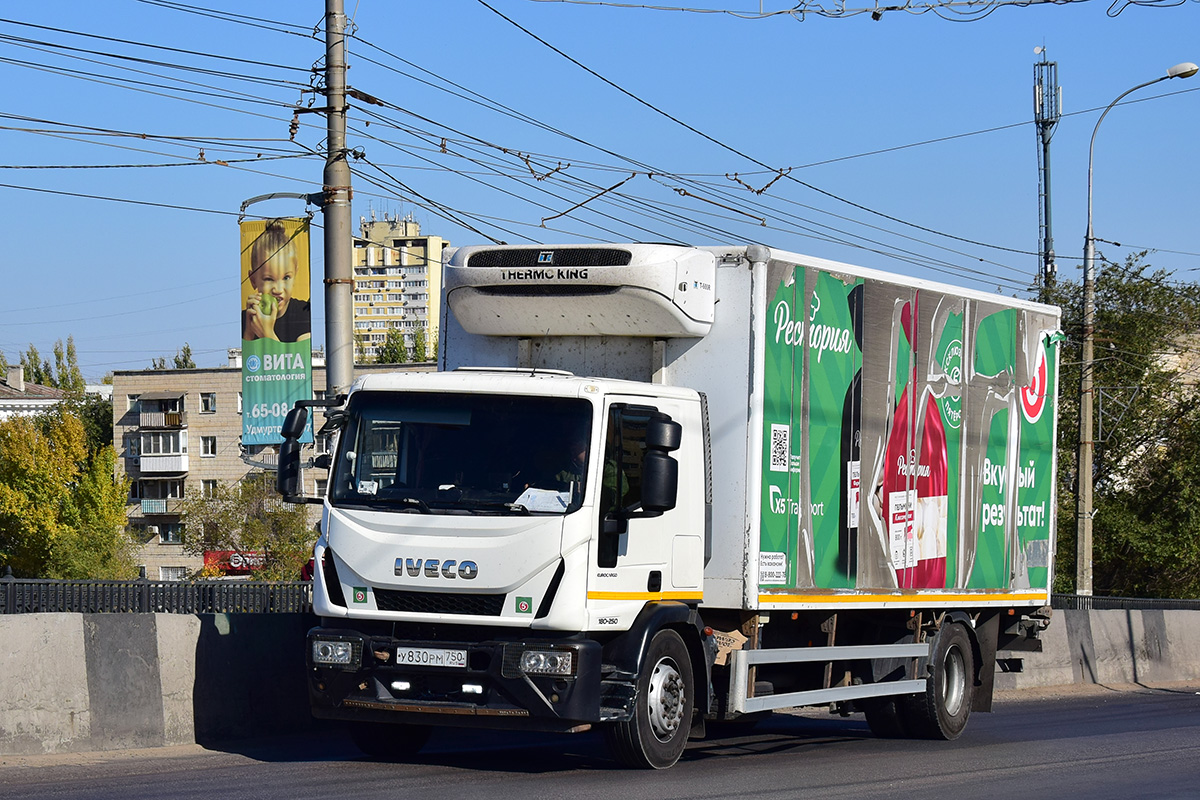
column 1083, row 507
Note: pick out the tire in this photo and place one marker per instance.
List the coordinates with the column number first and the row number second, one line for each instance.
column 885, row 717
column 388, row 741
column 657, row 733
column 941, row 712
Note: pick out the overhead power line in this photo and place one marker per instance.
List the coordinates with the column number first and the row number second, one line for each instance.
column 956, row 10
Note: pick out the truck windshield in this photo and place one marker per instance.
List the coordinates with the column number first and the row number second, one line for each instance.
column 462, row 453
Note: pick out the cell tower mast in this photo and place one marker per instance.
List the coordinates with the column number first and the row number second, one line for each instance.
column 1047, row 108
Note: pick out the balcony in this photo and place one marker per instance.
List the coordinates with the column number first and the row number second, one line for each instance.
column 170, row 505
column 166, row 463
column 162, row 419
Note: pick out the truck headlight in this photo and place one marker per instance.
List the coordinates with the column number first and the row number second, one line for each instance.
column 548, row 662
column 332, row 652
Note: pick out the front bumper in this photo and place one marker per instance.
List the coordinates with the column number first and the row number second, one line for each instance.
column 491, row 689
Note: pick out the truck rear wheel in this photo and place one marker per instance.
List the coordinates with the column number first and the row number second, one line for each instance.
column 388, row 741
column 941, row 712
column 655, row 736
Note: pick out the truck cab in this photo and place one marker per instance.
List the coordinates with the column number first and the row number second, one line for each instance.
column 492, row 539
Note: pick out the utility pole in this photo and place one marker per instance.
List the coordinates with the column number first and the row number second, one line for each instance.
column 1047, row 108
column 339, row 273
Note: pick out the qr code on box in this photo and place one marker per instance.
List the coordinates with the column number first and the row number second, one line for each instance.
column 781, row 448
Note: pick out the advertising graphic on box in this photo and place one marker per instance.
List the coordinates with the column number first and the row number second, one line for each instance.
column 907, row 438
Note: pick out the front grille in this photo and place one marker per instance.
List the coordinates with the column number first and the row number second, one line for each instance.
column 537, row 257
column 481, row 605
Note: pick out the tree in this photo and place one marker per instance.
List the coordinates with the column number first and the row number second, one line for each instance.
column 37, row 370
column 360, row 347
column 394, row 349
column 1146, row 503
column 181, row 360
column 249, row 517
column 420, row 347
column 96, row 414
column 61, row 514
column 66, row 367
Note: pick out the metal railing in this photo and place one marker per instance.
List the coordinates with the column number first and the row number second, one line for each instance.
column 1074, row 602
column 24, row 596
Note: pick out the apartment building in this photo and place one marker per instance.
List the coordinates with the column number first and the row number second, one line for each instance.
column 177, row 431
column 397, row 285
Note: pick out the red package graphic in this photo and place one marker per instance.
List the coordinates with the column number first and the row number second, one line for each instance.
column 914, row 492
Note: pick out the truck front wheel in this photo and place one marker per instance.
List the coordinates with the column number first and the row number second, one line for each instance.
column 941, row 712
column 388, row 741
column 655, row 736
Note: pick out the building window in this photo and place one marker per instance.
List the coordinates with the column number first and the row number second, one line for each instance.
column 172, row 573
column 135, row 490
column 208, row 488
column 208, row 402
column 131, row 402
column 322, row 484
column 159, row 443
column 239, row 402
column 170, row 533
column 208, row 446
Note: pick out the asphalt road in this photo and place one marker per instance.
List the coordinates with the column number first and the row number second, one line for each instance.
column 1095, row 744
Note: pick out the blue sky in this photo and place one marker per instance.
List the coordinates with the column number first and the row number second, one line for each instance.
column 838, row 101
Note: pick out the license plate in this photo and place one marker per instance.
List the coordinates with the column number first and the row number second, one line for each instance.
column 431, row 657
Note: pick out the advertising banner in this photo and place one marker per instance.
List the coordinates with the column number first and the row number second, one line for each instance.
column 782, row 434
column 834, row 402
column 276, row 326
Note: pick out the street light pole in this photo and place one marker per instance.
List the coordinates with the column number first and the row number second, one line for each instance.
column 1083, row 507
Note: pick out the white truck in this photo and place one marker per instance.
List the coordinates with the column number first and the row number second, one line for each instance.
column 653, row 485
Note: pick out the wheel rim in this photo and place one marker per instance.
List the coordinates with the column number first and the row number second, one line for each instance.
column 665, row 700
column 953, row 681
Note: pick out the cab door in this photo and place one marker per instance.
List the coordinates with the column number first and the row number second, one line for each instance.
column 647, row 548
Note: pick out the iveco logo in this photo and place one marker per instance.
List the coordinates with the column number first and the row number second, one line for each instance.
column 546, row 257
column 432, row 568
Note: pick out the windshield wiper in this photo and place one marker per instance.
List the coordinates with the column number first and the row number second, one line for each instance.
column 479, row 506
column 412, row 502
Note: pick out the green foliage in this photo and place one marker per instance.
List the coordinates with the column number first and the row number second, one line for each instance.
column 61, row 513
column 66, row 367
column 181, row 360
column 63, row 374
column 250, row 517
column 96, row 414
column 360, row 347
column 394, row 350
column 37, row 370
column 1146, row 537
column 420, row 346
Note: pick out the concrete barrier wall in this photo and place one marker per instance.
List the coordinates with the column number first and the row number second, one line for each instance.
column 1112, row 647
column 85, row 682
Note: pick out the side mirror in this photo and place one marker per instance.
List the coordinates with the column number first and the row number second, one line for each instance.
column 294, row 422
column 663, row 434
column 287, row 475
column 660, row 472
column 660, row 482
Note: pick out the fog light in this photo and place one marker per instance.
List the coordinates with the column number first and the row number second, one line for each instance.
column 547, row 662
column 472, row 688
column 332, row 652
column 401, row 686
